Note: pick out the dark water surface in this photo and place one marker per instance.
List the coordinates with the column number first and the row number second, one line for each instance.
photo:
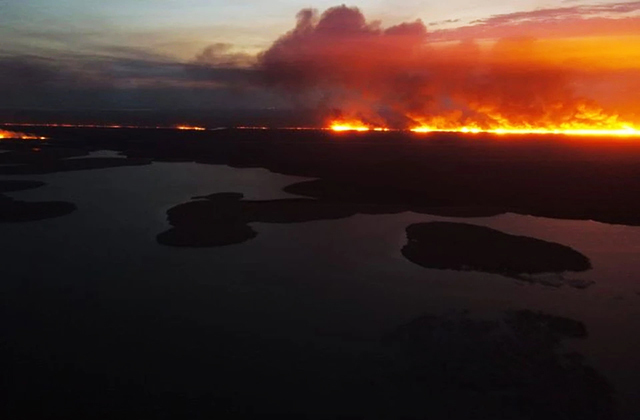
column 321, row 319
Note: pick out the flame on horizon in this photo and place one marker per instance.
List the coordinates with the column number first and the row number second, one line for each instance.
column 190, row 128
column 354, row 125
column 619, row 130
column 588, row 121
column 4, row 134
column 366, row 77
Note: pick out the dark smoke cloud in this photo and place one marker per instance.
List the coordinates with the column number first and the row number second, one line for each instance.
column 123, row 78
column 337, row 45
column 341, row 63
column 394, row 76
column 338, row 58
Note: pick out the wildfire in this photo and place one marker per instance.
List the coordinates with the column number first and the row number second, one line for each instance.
column 190, row 128
column 597, row 124
column 16, row 135
column 111, row 126
column 354, row 126
column 607, row 127
column 602, row 128
column 581, row 119
column 349, row 127
column 604, row 132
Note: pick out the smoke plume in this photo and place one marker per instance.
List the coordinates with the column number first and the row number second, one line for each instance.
column 394, row 76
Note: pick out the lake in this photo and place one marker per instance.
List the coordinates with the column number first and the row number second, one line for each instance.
column 103, row 320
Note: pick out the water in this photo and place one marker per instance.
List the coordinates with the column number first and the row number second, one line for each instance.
column 94, row 289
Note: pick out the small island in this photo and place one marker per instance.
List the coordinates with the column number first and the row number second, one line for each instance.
column 467, row 247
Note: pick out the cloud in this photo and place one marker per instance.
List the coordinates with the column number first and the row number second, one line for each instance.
column 337, row 46
column 23, row 71
column 562, row 13
column 581, row 20
column 444, row 22
column 222, row 55
column 119, row 78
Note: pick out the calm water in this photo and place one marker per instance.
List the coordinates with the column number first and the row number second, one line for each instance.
column 97, row 279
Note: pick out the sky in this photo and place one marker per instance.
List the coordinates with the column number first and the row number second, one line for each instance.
column 205, row 54
column 180, row 28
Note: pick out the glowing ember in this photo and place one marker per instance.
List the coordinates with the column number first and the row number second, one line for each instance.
column 191, row 128
column 581, row 119
column 606, row 128
column 592, row 123
column 111, row 126
column 626, row 131
column 348, row 127
column 354, row 125
column 16, row 135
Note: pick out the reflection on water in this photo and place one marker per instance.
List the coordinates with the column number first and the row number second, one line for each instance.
column 98, row 307
column 101, row 154
column 507, row 367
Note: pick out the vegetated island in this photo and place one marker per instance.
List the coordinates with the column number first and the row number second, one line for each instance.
column 12, row 211
column 467, row 247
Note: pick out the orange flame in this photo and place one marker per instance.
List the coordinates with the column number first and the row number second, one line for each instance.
column 4, row 134
column 110, row 126
column 626, row 131
column 587, row 120
column 189, row 127
column 618, row 130
column 353, row 125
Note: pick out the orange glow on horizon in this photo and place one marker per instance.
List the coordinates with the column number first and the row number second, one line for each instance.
column 586, row 121
column 190, row 128
column 576, row 129
column 109, row 126
column 596, row 128
column 353, row 125
column 604, row 132
column 16, row 135
column 568, row 129
column 577, row 118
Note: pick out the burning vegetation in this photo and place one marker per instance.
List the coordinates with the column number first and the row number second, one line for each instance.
column 367, row 77
column 4, row 134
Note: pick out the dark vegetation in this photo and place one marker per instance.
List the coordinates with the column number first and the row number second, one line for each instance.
column 548, row 176
column 461, row 246
column 36, row 157
column 24, row 211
